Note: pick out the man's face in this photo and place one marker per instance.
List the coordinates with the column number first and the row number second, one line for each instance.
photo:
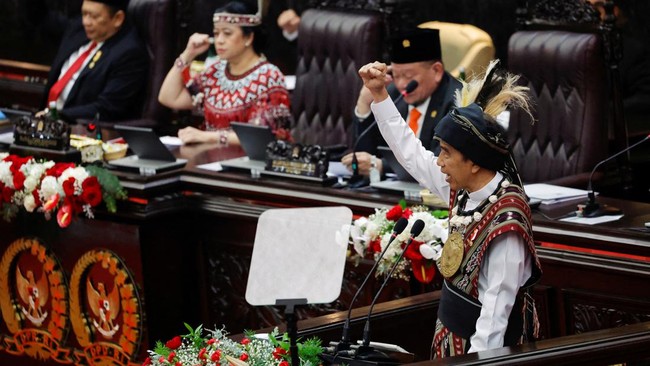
column 428, row 75
column 456, row 166
column 98, row 21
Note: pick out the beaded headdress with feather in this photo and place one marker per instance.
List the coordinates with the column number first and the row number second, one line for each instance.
column 471, row 127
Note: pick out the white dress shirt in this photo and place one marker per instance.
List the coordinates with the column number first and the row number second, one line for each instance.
column 507, row 264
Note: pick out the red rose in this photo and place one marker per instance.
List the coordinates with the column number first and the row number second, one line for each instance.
column 19, row 180
column 394, row 213
column 283, row 363
column 7, row 193
column 407, row 213
column 216, row 356
column 202, row 354
column 279, row 352
column 243, row 357
column 68, row 187
column 375, row 246
column 58, row 169
column 245, row 341
column 174, row 343
column 91, row 191
column 147, row 361
column 171, row 356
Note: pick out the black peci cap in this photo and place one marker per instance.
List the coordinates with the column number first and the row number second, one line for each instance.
column 419, row 44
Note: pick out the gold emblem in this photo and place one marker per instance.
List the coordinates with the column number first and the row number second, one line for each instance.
column 98, row 54
column 452, row 255
column 406, row 43
column 105, row 309
column 434, row 113
column 34, row 302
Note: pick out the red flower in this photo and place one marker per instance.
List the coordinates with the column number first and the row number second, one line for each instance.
column 58, row 169
column 6, row 194
column 279, row 352
column 171, row 356
column 407, row 213
column 37, row 198
column 413, row 251
column 51, row 203
column 283, row 363
column 423, row 270
column 216, row 356
column 17, row 162
column 375, row 246
column 19, row 180
column 212, row 341
column 64, row 216
column 202, row 354
column 245, row 341
column 68, row 187
column 394, row 213
column 174, row 343
column 147, row 361
column 92, row 191
column 243, row 357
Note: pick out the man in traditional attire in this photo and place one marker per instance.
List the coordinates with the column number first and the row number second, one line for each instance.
column 489, row 259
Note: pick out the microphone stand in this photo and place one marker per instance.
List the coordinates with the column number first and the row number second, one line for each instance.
column 344, row 344
column 365, row 351
column 593, row 208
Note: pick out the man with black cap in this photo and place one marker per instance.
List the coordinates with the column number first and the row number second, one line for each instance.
column 489, row 260
column 415, row 55
column 101, row 66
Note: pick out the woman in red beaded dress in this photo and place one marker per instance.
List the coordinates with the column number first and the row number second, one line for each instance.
column 240, row 86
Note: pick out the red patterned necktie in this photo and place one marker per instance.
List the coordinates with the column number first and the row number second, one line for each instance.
column 58, row 87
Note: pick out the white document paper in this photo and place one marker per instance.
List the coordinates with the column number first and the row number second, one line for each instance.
column 592, row 220
column 548, row 193
column 7, row 138
column 214, row 166
column 337, row 169
column 171, row 141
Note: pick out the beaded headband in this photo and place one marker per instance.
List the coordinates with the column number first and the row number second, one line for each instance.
column 243, row 20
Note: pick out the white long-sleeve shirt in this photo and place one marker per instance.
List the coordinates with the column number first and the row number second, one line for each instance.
column 507, row 265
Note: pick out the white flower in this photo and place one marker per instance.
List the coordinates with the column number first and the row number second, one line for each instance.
column 5, row 174
column 49, row 187
column 467, row 220
column 454, row 210
column 492, row 198
column 3, row 155
column 29, row 203
column 477, row 216
column 505, row 184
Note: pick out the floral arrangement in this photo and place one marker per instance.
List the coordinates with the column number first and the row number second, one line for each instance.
column 60, row 189
column 369, row 236
column 215, row 348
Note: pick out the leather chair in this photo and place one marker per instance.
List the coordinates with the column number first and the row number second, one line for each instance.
column 332, row 46
column 566, row 75
column 154, row 20
column 464, row 47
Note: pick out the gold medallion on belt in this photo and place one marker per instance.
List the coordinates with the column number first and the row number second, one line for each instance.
column 452, row 255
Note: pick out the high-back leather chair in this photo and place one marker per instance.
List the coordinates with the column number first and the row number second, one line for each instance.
column 566, row 75
column 332, row 46
column 154, row 20
column 465, row 48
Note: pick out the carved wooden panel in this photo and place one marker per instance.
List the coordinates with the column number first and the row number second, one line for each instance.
column 589, row 311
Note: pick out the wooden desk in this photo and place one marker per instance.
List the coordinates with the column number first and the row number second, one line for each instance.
column 185, row 237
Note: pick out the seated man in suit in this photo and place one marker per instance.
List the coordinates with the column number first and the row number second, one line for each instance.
column 415, row 55
column 101, row 67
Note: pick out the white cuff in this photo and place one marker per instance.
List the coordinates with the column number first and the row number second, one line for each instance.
column 290, row 36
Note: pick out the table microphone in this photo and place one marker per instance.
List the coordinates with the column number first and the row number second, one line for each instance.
column 365, row 351
column 344, row 344
column 412, row 85
column 593, row 208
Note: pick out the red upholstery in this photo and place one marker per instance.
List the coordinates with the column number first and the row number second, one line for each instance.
column 566, row 74
column 332, row 46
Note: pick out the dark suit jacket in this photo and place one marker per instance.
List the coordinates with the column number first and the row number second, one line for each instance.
column 115, row 84
column 442, row 100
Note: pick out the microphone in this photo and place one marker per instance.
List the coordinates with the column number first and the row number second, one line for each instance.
column 410, row 87
column 344, row 344
column 593, row 208
column 365, row 351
